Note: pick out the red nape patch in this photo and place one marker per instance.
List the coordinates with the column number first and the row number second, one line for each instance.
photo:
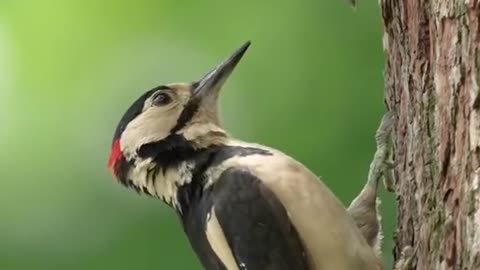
column 115, row 156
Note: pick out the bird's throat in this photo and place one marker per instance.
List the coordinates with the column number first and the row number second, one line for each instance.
column 176, row 172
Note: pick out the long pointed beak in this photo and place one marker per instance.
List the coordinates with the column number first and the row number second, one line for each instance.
column 213, row 80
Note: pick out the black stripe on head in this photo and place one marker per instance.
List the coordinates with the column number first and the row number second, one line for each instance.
column 187, row 114
column 195, row 85
column 134, row 110
column 168, row 152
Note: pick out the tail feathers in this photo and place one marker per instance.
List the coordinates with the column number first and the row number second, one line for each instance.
column 364, row 211
column 364, row 208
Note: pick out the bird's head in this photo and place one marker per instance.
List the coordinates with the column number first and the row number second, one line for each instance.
column 172, row 120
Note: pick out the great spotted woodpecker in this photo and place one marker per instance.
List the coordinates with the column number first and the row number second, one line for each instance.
column 243, row 206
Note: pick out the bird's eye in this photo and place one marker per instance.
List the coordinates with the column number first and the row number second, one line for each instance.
column 161, row 99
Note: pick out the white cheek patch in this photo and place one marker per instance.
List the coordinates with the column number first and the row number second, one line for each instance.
column 154, row 124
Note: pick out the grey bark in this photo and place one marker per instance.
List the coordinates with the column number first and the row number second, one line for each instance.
column 432, row 79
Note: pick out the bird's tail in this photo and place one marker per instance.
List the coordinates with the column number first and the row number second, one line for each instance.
column 364, row 208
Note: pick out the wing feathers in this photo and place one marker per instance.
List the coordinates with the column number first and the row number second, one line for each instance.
column 218, row 242
column 255, row 224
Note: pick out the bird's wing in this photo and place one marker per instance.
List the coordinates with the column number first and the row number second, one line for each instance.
column 248, row 227
column 329, row 235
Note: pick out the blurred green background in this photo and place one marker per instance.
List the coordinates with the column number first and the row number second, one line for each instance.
column 311, row 85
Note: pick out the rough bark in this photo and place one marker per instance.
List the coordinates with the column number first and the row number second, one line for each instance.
column 432, row 79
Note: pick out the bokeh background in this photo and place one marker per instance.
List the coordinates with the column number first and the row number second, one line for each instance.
column 311, row 85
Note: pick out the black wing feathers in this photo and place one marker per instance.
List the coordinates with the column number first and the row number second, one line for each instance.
column 256, row 224
column 194, row 220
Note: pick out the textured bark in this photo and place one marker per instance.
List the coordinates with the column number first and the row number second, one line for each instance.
column 432, row 79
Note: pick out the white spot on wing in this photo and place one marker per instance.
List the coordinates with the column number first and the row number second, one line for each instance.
column 218, row 242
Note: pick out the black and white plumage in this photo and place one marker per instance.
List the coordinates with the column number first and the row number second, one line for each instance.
column 242, row 205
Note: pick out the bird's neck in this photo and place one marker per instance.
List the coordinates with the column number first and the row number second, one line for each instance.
column 163, row 167
column 176, row 171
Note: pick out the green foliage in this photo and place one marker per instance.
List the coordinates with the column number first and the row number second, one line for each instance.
column 311, row 85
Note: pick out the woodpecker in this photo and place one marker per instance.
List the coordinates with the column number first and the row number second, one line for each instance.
column 242, row 205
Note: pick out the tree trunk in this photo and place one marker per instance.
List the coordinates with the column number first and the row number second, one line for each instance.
column 432, row 79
